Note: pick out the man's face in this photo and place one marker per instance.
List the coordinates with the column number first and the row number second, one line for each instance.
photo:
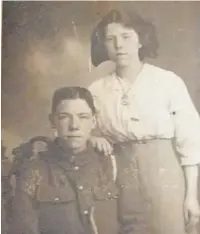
column 74, row 122
column 122, row 44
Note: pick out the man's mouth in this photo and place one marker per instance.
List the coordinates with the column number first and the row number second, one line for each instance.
column 74, row 136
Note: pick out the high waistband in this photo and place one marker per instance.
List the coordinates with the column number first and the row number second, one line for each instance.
column 143, row 141
column 131, row 143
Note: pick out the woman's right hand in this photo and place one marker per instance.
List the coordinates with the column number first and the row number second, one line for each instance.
column 192, row 213
column 102, row 145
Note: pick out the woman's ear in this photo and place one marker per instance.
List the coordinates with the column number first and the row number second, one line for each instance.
column 94, row 122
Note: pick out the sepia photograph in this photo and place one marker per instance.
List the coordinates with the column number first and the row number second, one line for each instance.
column 100, row 121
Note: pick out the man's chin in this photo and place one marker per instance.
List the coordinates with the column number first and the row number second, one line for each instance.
column 75, row 145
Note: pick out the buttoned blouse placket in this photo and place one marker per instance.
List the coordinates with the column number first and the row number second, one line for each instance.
column 126, row 113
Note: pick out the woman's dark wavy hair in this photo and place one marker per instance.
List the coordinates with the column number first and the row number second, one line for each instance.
column 72, row 93
column 145, row 30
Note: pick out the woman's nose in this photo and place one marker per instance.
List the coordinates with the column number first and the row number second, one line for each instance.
column 118, row 42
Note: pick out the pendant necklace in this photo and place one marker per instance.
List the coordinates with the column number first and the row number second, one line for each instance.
column 125, row 101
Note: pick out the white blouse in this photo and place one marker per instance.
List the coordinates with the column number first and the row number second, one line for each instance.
column 159, row 107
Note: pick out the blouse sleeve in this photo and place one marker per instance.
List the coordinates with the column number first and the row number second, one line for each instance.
column 94, row 89
column 186, row 121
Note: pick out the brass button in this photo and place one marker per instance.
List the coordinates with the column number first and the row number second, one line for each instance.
column 109, row 193
column 85, row 212
column 80, row 187
column 76, row 168
column 56, row 199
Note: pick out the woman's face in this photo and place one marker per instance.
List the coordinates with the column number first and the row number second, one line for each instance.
column 122, row 44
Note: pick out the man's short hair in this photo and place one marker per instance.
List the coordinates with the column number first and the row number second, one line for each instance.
column 72, row 93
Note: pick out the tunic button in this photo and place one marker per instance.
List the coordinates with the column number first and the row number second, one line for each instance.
column 109, row 193
column 80, row 187
column 76, row 168
column 56, row 199
column 85, row 212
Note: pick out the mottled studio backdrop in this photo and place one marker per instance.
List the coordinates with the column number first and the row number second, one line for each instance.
column 47, row 45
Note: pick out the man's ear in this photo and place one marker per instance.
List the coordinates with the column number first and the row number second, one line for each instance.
column 51, row 120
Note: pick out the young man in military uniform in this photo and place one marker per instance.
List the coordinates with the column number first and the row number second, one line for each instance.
column 66, row 187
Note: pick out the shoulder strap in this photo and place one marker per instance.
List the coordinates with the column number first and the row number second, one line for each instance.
column 114, row 166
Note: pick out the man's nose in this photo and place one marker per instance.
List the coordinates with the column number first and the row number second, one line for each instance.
column 74, row 123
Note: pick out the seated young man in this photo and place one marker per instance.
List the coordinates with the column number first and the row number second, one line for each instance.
column 68, row 187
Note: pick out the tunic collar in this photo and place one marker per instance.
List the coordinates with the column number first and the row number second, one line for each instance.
column 85, row 157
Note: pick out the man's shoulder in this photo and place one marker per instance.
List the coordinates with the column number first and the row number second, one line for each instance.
column 29, row 154
column 108, row 164
column 31, row 163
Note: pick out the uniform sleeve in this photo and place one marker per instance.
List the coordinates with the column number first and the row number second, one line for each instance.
column 25, row 219
column 187, row 123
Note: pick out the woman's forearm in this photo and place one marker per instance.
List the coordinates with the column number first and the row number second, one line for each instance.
column 191, row 176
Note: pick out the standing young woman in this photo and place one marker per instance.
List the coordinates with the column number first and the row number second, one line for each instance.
column 148, row 116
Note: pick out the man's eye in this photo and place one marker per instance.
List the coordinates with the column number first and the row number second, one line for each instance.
column 62, row 117
column 109, row 38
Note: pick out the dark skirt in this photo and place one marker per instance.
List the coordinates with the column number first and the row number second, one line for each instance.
column 153, row 183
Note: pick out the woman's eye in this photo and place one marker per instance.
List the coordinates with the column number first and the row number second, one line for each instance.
column 126, row 36
column 84, row 117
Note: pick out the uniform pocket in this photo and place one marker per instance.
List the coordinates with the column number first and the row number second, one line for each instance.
column 49, row 193
column 106, row 192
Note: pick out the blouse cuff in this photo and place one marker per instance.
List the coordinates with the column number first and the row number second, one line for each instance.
column 191, row 160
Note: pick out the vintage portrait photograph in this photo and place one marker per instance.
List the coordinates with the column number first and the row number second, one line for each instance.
column 100, row 117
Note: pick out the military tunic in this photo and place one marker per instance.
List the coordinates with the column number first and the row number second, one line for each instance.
column 62, row 193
